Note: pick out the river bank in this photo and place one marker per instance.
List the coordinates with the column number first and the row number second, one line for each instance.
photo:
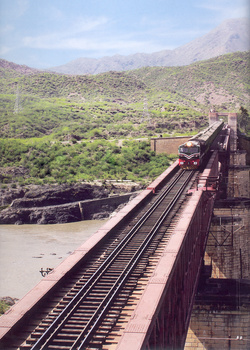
column 58, row 204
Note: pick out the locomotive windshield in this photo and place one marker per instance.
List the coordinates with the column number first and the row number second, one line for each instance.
column 188, row 149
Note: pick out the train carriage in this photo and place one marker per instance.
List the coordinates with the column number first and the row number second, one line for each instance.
column 192, row 152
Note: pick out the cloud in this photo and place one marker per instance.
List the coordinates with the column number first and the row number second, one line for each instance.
column 167, row 31
column 91, row 35
column 6, row 29
column 69, row 38
column 226, row 8
column 21, row 7
column 96, row 36
column 90, row 44
column 89, row 24
column 4, row 50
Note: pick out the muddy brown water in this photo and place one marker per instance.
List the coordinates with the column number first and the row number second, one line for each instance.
column 25, row 249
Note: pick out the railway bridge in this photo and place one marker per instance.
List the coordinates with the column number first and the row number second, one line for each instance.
column 132, row 285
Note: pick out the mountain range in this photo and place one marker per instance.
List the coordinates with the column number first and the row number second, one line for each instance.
column 230, row 36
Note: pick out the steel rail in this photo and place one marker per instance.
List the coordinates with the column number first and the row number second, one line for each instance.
column 49, row 332
column 132, row 264
column 70, row 308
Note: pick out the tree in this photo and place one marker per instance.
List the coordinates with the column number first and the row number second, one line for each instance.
column 244, row 120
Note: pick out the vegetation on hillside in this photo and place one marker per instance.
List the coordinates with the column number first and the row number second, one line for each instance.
column 38, row 161
column 143, row 102
column 221, row 83
column 58, row 128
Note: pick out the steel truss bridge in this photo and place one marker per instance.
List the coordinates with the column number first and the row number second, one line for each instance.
column 132, row 284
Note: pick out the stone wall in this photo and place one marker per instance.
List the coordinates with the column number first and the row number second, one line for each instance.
column 238, row 182
column 168, row 145
column 92, row 209
column 228, row 244
column 219, row 329
column 63, row 213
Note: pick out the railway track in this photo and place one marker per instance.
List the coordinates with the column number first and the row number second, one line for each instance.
column 86, row 310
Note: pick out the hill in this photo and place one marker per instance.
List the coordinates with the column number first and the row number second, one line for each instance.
column 136, row 103
column 57, row 128
column 231, row 36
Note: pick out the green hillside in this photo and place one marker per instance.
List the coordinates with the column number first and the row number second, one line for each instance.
column 134, row 103
column 54, row 117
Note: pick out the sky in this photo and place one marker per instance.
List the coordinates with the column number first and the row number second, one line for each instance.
column 48, row 33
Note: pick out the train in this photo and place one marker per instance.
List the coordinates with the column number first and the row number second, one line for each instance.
column 192, row 153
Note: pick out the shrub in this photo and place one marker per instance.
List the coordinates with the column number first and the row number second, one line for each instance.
column 3, row 307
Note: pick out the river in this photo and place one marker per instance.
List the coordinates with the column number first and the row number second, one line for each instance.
column 25, row 249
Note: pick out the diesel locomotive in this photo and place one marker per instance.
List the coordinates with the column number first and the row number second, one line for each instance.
column 192, row 152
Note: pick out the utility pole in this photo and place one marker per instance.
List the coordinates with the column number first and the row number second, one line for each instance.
column 146, row 114
column 17, row 107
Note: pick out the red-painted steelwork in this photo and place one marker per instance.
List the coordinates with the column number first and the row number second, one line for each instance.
column 162, row 316
column 165, row 175
column 35, row 295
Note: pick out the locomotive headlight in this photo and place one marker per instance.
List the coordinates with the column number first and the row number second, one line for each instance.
column 195, row 163
column 189, row 144
column 181, row 163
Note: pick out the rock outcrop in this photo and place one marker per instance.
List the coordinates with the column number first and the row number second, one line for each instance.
column 51, row 204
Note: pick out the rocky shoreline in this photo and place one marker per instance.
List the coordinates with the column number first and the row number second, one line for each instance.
column 51, row 204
